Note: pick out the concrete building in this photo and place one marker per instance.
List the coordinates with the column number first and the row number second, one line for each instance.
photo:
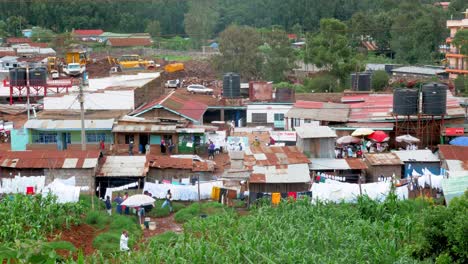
column 267, row 114
column 66, row 134
column 457, row 62
column 306, row 112
column 351, row 168
column 316, row 141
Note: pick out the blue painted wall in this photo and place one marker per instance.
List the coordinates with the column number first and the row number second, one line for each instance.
column 19, row 139
column 433, row 167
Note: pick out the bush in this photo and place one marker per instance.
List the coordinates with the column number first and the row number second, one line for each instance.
column 159, row 212
column 97, row 219
column 322, row 83
column 194, row 210
column 380, row 80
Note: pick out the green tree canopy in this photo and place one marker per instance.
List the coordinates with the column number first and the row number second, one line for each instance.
column 279, row 56
column 461, row 41
column 238, row 46
column 379, row 80
column 201, row 19
column 153, row 27
column 330, row 49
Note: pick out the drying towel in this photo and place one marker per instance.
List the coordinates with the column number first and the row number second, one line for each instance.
column 215, row 193
column 293, row 195
column 275, row 198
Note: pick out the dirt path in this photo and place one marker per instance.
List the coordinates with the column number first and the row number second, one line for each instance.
column 163, row 225
column 81, row 236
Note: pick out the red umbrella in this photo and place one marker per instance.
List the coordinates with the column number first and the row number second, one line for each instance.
column 379, row 136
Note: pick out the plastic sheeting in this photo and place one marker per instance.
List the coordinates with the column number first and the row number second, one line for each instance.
column 335, row 191
column 65, row 190
column 182, row 192
column 19, row 184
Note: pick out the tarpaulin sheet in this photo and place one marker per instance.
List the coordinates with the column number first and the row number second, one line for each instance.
column 182, row 192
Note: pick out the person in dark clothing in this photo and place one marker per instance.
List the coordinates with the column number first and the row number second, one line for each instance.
column 108, row 205
column 130, row 148
column 163, row 147
column 119, row 200
column 168, row 201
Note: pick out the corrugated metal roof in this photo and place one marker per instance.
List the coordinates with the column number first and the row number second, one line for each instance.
column 88, row 32
column 315, row 132
column 329, row 164
column 377, row 159
column 319, row 111
column 450, row 152
column 48, row 124
column 177, row 103
column 457, row 165
column 356, row 164
column 167, row 162
column 385, row 126
column 420, row 155
column 418, row 70
column 379, row 107
column 293, row 173
column 129, row 42
column 144, row 128
column 275, row 156
column 124, row 166
column 49, row 159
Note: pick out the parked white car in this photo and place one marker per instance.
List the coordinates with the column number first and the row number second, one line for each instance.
column 171, row 84
column 198, row 88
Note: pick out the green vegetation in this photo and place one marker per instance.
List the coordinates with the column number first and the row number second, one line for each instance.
column 163, row 212
column 35, row 217
column 99, row 219
column 461, row 41
column 411, row 231
column 108, row 242
column 322, row 83
column 380, row 80
column 196, row 210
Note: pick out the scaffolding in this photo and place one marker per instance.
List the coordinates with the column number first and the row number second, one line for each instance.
column 428, row 128
column 52, row 87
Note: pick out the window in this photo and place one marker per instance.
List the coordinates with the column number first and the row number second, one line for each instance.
column 97, row 137
column 296, row 122
column 44, row 137
column 307, row 121
column 128, row 138
column 279, row 117
column 259, row 117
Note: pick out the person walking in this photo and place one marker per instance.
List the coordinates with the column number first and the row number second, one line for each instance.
column 130, row 148
column 124, row 241
column 108, row 205
column 141, row 214
column 171, row 147
column 168, row 201
column 119, row 200
column 126, row 208
column 211, row 150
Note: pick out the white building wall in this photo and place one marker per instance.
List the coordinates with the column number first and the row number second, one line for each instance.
column 269, row 109
column 106, row 100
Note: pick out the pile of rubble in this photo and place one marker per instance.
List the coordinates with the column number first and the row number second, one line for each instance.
column 99, row 68
column 201, row 69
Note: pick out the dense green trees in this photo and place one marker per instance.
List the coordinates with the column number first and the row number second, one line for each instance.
column 379, row 80
column 200, row 20
column 461, row 41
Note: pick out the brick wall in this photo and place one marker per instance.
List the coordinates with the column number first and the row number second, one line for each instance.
column 148, row 92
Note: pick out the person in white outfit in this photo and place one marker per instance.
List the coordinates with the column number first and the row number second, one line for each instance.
column 124, row 241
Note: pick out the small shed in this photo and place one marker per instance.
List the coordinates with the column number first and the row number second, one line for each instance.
column 351, row 168
column 454, row 160
column 53, row 164
column 316, row 141
column 382, row 164
column 277, row 169
column 121, row 170
column 418, row 160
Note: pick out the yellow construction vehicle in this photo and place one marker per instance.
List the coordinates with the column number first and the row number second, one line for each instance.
column 132, row 62
column 53, row 67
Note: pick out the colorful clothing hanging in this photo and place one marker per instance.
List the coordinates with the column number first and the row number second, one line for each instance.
column 275, row 198
column 293, row 195
column 215, row 193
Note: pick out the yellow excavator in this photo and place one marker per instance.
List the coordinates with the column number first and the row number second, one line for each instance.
column 130, row 63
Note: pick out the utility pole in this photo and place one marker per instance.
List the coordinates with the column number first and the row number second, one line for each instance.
column 27, row 89
column 81, row 96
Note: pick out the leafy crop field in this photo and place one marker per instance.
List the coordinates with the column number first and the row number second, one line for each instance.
column 414, row 231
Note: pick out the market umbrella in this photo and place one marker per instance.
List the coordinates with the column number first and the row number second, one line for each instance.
column 459, row 141
column 407, row 139
column 137, row 200
column 362, row 132
column 348, row 140
column 378, row 136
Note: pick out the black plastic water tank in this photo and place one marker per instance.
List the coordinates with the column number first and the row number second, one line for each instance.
column 231, row 85
column 434, row 99
column 285, row 95
column 363, row 82
column 18, row 77
column 405, row 101
column 38, row 77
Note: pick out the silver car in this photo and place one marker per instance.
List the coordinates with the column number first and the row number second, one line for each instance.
column 198, row 88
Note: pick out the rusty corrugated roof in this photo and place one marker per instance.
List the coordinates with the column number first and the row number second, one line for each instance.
column 356, row 164
column 167, row 162
column 49, row 159
column 124, row 166
column 378, row 159
column 450, row 152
